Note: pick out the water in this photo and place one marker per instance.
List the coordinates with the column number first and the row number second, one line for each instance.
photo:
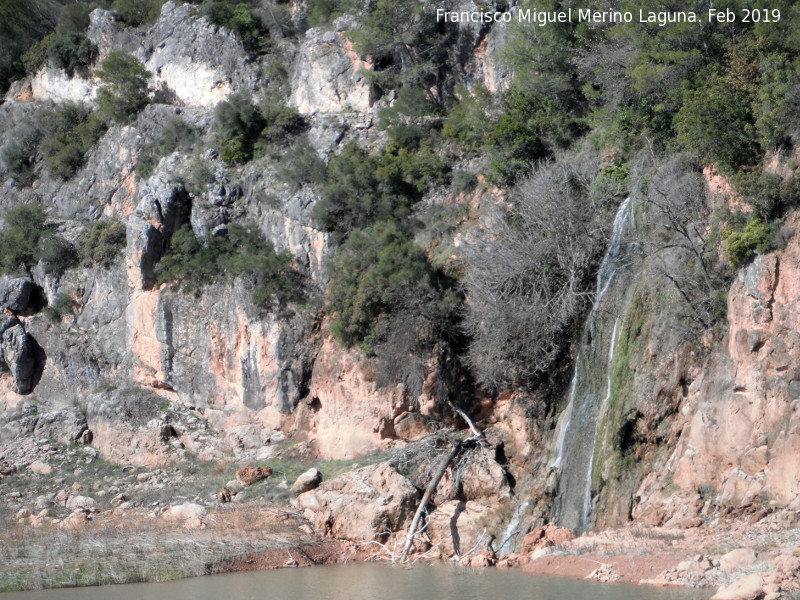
column 587, row 492
column 368, row 582
column 578, row 425
column 510, row 534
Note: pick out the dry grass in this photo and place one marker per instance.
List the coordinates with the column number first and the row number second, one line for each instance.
column 137, row 547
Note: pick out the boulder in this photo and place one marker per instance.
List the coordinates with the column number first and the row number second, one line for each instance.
column 747, row 588
column 737, row 559
column 18, row 351
column 307, row 482
column 15, row 292
column 80, row 503
column 188, row 511
column 365, row 504
column 545, row 537
column 249, row 475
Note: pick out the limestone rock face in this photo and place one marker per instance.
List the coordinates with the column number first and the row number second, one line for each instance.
column 329, row 76
column 193, row 62
column 365, row 504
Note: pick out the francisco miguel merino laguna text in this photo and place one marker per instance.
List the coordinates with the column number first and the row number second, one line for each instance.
column 586, row 15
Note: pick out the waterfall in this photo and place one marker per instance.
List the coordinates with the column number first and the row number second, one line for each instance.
column 508, row 541
column 587, row 492
column 578, row 425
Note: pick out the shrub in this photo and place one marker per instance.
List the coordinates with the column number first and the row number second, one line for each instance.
column 240, row 18
column 176, row 135
column 25, row 240
column 237, row 123
column 239, row 252
column 74, row 18
column 71, row 52
column 742, row 244
column 301, row 164
column 137, row 12
column 530, row 128
column 361, row 189
column 372, row 274
column 716, row 123
column 528, row 280
column 19, row 154
column 102, row 243
column 280, row 122
column 243, row 130
column 352, row 196
column 321, row 12
column 69, row 133
column 124, row 90
column 468, row 122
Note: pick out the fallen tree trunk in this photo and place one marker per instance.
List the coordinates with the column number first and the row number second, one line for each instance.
column 437, row 477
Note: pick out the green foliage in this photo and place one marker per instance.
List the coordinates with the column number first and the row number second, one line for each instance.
column 374, row 275
column 74, row 18
column 239, row 252
column 240, row 18
column 530, row 128
column 301, row 164
column 102, row 243
column 72, row 52
column 237, row 124
column 469, row 123
column 22, row 24
column 361, row 189
column 243, row 130
column 406, row 44
column 742, row 244
column 137, row 12
column 321, row 12
column 716, row 123
column 25, row 240
column 124, row 90
column 19, row 154
column 280, row 122
column 69, row 132
column 62, row 304
column 177, row 135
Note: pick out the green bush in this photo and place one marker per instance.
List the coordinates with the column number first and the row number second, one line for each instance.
column 124, row 90
column 69, row 132
column 742, row 244
column 72, row 52
column 321, row 12
column 301, row 164
column 102, row 243
column 25, row 240
column 529, row 128
column 138, row 12
column 240, row 18
column 177, row 135
column 361, row 189
column 244, row 130
column 19, row 154
column 716, row 123
column 239, row 252
column 468, row 122
column 371, row 274
column 237, row 123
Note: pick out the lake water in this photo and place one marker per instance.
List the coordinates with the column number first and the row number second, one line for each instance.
column 368, row 582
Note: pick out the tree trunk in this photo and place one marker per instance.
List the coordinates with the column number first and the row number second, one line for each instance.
column 448, row 458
